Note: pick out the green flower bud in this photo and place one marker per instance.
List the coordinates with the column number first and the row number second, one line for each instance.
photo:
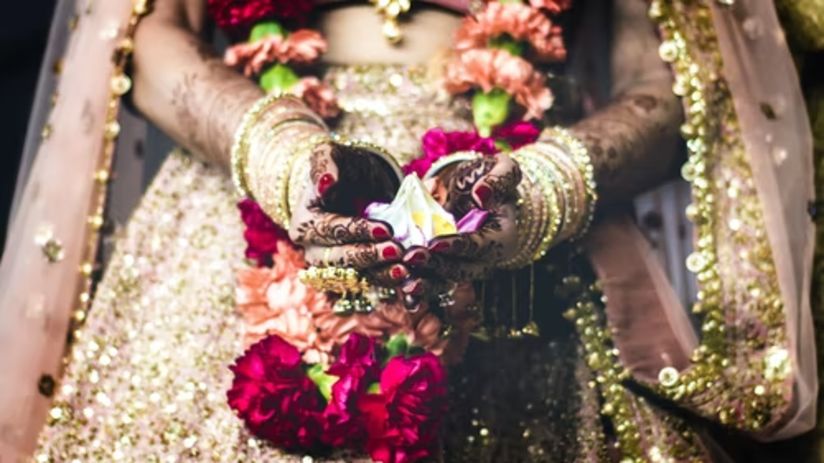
column 278, row 78
column 267, row 29
column 490, row 109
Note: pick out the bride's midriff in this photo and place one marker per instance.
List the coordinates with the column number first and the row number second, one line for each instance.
column 353, row 32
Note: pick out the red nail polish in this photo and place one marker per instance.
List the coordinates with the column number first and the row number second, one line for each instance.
column 380, row 233
column 440, row 246
column 390, row 252
column 483, row 193
column 325, row 182
column 397, row 273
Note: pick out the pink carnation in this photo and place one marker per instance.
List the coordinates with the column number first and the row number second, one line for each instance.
column 437, row 143
column 552, row 6
column 519, row 21
column 273, row 396
column 488, row 69
column 236, row 16
column 273, row 301
column 262, row 235
column 404, row 420
column 318, row 96
column 302, row 46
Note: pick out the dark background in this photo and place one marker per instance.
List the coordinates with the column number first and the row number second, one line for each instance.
column 24, row 30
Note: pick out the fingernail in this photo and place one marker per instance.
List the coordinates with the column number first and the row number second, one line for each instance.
column 414, row 288
column 483, row 193
column 325, row 182
column 440, row 246
column 397, row 272
column 418, row 257
column 380, row 233
column 390, row 252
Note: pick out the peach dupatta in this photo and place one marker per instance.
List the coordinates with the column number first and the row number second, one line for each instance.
column 651, row 328
column 38, row 295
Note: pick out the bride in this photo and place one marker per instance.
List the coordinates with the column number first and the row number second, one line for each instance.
column 579, row 347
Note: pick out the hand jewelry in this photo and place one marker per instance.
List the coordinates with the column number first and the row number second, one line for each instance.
column 391, row 10
column 558, row 194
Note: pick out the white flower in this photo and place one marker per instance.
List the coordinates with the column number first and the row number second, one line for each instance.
column 415, row 216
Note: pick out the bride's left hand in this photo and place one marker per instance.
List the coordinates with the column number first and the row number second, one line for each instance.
column 489, row 183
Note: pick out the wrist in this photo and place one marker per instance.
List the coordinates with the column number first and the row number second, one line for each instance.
column 273, row 133
column 557, row 195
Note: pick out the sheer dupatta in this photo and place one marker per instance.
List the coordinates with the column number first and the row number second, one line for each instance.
column 754, row 366
column 45, row 274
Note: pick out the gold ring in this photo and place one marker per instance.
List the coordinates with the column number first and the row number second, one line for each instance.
column 448, row 160
column 339, row 280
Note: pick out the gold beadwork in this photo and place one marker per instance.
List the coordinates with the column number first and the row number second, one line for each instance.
column 51, row 247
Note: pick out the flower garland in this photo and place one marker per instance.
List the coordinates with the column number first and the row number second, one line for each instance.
column 311, row 380
column 384, row 399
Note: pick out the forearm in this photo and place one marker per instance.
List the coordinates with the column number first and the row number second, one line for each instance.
column 184, row 88
column 633, row 142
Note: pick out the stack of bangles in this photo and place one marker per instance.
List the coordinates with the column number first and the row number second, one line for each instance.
column 557, row 194
column 276, row 137
column 270, row 163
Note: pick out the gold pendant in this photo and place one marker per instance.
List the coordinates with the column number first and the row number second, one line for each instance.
column 391, row 11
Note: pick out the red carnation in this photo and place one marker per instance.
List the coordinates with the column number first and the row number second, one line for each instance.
column 261, row 234
column 356, row 368
column 437, row 143
column 403, row 421
column 238, row 16
column 273, row 396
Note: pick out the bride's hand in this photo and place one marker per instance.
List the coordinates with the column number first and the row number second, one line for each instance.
column 325, row 222
column 489, row 183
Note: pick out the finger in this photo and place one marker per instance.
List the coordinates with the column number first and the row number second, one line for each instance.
column 417, row 287
column 494, row 241
column 358, row 256
column 388, row 276
column 328, row 229
column 447, row 268
column 323, row 171
column 499, row 184
column 416, row 256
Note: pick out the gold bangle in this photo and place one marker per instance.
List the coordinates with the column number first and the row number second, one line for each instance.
column 548, row 184
column 579, row 154
column 532, row 217
column 283, row 211
column 446, row 161
column 240, row 144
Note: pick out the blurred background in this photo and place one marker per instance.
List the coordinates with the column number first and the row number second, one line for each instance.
column 24, row 30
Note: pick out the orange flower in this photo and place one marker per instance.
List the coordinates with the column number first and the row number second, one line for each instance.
column 492, row 68
column 553, row 6
column 519, row 21
column 317, row 95
column 275, row 301
column 302, row 46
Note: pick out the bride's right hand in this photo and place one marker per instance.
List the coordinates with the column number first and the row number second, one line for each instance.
column 326, row 223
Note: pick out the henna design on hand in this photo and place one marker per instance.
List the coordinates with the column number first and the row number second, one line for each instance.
column 207, row 102
column 332, row 229
column 632, row 142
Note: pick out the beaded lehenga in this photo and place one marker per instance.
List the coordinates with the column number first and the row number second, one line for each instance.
column 597, row 376
column 162, row 330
